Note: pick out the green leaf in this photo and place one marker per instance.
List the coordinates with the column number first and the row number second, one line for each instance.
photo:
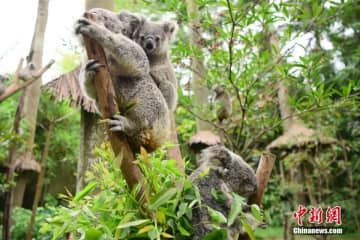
column 182, row 230
column 235, row 210
column 92, row 234
column 133, row 223
column 247, row 227
column 256, row 212
column 216, row 216
column 88, row 189
column 163, row 198
column 218, row 234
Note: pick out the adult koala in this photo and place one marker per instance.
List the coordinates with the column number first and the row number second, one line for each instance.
column 147, row 122
column 223, row 171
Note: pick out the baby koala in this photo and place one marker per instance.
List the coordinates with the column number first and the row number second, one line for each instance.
column 146, row 123
column 155, row 38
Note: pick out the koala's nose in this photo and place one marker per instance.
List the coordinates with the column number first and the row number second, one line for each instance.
column 149, row 45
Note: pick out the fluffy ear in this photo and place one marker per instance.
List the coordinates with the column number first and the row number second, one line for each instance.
column 134, row 20
column 170, row 28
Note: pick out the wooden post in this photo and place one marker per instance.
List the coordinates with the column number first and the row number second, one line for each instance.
column 106, row 99
column 263, row 173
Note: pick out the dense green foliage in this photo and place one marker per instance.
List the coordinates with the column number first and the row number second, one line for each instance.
column 318, row 58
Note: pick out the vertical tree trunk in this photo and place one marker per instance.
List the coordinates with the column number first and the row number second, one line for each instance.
column 9, row 195
column 91, row 133
column 40, row 181
column 263, row 173
column 174, row 151
column 198, row 83
column 32, row 96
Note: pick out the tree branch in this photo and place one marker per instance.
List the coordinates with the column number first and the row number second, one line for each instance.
column 16, row 86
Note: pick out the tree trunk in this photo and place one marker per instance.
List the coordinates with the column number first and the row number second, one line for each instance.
column 91, row 133
column 40, row 181
column 174, row 151
column 32, row 95
column 263, row 173
column 107, row 4
column 9, row 195
column 198, row 83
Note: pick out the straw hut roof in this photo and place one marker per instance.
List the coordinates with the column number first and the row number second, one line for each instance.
column 27, row 162
column 298, row 136
column 203, row 139
column 67, row 86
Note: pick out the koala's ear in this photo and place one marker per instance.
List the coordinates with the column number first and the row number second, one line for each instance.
column 170, row 28
column 134, row 20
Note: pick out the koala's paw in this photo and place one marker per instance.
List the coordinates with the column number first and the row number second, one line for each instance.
column 83, row 26
column 121, row 124
column 92, row 67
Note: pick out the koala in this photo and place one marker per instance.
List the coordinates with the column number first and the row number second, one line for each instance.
column 146, row 123
column 155, row 38
column 224, row 171
column 3, row 81
column 223, row 104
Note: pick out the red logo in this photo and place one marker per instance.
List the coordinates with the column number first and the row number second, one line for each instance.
column 333, row 215
column 299, row 214
column 316, row 215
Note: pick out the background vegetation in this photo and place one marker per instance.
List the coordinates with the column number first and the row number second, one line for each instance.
column 318, row 58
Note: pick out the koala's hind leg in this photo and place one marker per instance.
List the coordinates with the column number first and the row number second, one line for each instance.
column 129, row 56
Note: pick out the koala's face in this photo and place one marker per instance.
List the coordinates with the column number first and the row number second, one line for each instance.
column 3, row 79
column 153, row 37
column 219, row 89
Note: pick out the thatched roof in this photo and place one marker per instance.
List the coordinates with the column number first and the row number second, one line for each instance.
column 27, row 162
column 298, row 136
column 203, row 139
column 67, row 86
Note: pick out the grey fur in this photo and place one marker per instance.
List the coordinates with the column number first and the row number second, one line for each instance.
column 147, row 123
column 223, row 104
column 3, row 81
column 155, row 38
column 227, row 172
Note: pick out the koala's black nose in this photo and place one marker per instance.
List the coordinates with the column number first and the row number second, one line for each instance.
column 149, row 46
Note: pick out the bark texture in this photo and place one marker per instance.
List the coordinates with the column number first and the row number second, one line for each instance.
column 91, row 133
column 198, row 82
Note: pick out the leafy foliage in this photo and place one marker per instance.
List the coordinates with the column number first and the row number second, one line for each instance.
column 166, row 214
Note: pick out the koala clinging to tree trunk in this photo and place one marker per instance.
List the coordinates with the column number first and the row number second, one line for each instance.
column 222, row 171
column 155, row 38
column 146, row 123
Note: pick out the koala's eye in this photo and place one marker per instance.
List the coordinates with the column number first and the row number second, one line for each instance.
column 157, row 38
column 142, row 38
column 123, row 31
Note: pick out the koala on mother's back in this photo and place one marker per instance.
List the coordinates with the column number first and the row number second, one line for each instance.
column 147, row 122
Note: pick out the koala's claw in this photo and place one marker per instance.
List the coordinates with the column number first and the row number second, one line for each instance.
column 118, row 123
column 80, row 24
column 93, row 65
